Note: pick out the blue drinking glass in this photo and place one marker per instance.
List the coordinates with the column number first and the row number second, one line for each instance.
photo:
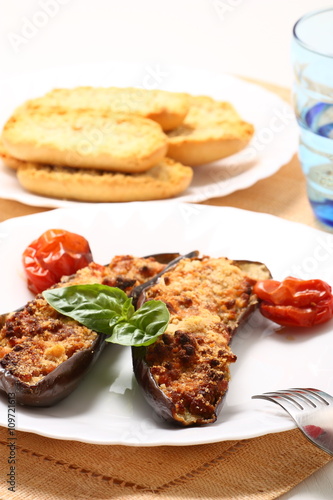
column 312, row 59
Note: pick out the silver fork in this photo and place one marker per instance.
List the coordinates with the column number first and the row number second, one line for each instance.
column 312, row 411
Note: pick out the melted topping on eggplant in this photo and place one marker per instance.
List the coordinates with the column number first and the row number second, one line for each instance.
column 37, row 339
column 190, row 362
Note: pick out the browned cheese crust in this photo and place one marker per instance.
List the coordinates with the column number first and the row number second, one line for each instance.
column 84, row 138
column 165, row 180
column 9, row 160
column 211, row 130
column 37, row 339
column 166, row 108
column 190, row 363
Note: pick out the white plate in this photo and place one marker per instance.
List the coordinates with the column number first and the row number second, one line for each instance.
column 274, row 144
column 108, row 407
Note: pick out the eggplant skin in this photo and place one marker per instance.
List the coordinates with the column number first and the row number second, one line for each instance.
column 160, row 402
column 156, row 398
column 58, row 384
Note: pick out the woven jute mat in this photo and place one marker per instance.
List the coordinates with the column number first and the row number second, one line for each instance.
column 260, row 468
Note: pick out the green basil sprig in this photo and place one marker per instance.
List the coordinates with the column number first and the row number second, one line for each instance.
column 110, row 311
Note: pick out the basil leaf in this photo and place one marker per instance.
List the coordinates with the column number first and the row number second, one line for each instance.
column 110, row 311
column 143, row 328
column 98, row 307
column 128, row 308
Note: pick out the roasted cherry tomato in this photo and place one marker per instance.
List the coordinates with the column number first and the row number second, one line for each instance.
column 54, row 254
column 295, row 302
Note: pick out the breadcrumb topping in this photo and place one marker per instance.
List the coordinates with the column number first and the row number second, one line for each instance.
column 206, row 299
column 37, row 339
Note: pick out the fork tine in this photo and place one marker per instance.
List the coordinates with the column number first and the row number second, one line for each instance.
column 297, row 399
column 309, row 397
column 311, row 410
column 305, row 399
column 280, row 398
column 321, row 396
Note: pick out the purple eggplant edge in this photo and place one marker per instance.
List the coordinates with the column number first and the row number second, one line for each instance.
column 56, row 385
column 155, row 397
column 61, row 382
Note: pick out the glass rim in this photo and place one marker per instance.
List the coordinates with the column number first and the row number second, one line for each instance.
column 304, row 44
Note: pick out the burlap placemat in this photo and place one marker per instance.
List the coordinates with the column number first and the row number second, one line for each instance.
column 260, row 468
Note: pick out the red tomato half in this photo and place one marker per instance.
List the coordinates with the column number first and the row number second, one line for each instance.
column 295, row 302
column 54, row 254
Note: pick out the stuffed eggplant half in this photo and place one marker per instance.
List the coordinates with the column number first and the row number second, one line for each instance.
column 43, row 354
column 185, row 373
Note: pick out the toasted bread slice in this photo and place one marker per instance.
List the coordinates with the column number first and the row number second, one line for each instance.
column 166, row 108
column 85, row 139
column 165, row 180
column 9, row 160
column 211, row 130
